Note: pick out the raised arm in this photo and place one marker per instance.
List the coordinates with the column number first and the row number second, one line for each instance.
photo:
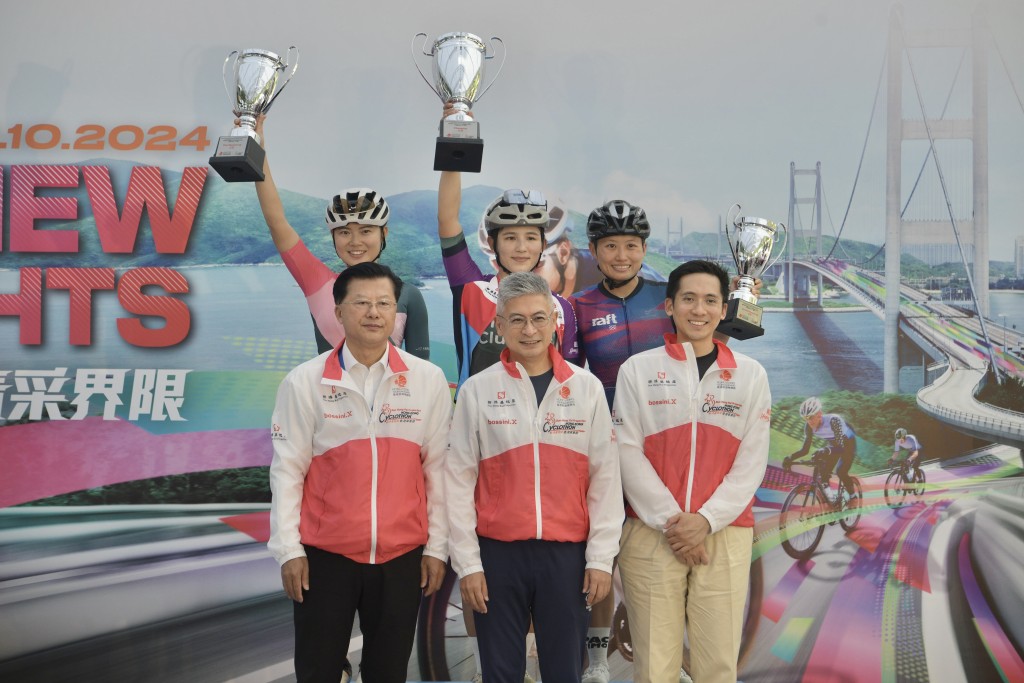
column 281, row 231
column 449, row 200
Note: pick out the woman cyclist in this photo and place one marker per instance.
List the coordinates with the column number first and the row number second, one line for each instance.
column 358, row 222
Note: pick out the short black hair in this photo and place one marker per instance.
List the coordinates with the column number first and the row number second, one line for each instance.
column 364, row 271
column 697, row 266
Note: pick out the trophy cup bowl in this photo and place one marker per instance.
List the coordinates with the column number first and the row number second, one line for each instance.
column 458, row 73
column 239, row 155
column 751, row 243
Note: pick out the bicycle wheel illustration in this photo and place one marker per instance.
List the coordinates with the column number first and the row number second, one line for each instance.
column 851, row 505
column 919, row 482
column 800, row 521
column 895, row 489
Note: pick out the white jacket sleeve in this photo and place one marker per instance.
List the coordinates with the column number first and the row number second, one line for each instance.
column 647, row 494
column 733, row 495
column 432, row 455
column 604, row 495
column 462, row 467
column 292, row 436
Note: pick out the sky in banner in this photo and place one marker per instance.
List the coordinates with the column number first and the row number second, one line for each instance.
column 683, row 108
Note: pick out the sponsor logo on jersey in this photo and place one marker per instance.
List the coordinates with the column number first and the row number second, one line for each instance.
column 337, row 416
column 389, row 414
column 506, row 421
column 501, row 401
column 334, row 395
column 766, row 416
column 399, row 388
column 716, row 406
column 605, row 321
column 553, row 425
column 661, row 379
column 276, row 434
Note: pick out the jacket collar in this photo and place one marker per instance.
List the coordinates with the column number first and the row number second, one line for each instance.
column 563, row 370
column 334, row 368
column 677, row 351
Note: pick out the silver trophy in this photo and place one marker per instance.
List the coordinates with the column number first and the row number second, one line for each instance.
column 751, row 243
column 458, row 69
column 239, row 156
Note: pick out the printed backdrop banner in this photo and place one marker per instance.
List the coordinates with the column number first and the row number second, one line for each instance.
column 146, row 318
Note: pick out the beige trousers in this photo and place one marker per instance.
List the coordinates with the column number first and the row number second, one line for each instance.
column 663, row 595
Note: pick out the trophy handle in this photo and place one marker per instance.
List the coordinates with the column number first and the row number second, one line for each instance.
column 416, row 63
column 504, row 54
column 731, row 217
column 227, row 88
column 785, row 234
column 295, row 67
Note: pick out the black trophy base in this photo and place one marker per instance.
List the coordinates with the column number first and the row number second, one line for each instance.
column 459, row 154
column 742, row 320
column 239, row 159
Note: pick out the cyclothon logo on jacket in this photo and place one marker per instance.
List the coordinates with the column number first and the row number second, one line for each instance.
column 388, row 414
column 558, row 426
column 716, row 406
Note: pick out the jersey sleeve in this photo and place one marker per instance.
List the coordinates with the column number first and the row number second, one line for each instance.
column 417, row 329
column 309, row 272
column 459, row 266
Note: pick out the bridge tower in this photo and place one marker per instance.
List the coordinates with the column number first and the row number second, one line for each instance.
column 974, row 229
column 799, row 237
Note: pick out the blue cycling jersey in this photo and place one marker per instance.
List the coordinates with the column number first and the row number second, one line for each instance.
column 610, row 329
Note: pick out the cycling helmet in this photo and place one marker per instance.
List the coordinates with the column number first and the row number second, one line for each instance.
column 901, row 433
column 516, row 207
column 810, row 406
column 358, row 205
column 617, row 217
column 560, row 224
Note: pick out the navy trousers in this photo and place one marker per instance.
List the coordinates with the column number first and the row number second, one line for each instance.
column 542, row 580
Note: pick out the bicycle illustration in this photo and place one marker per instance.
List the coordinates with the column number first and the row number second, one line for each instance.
column 903, row 486
column 811, row 505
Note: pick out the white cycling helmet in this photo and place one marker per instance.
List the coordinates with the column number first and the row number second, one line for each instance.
column 810, row 406
column 357, row 205
column 901, row 433
column 560, row 224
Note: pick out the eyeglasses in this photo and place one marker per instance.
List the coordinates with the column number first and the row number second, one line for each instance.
column 364, row 305
column 343, row 205
column 531, row 197
column 518, row 322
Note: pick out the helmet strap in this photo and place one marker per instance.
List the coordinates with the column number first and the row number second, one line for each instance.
column 611, row 284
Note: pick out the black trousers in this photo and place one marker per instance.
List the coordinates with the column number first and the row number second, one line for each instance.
column 386, row 596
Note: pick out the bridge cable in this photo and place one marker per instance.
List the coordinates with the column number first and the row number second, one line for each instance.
column 952, row 219
column 828, row 212
column 928, row 154
column 1009, row 76
column 863, row 151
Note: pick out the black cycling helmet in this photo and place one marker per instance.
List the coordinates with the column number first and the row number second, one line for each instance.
column 617, row 217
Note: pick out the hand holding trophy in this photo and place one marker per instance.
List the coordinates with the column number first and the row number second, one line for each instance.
column 458, row 69
column 751, row 243
column 239, row 155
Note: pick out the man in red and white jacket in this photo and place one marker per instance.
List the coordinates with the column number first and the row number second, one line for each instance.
column 692, row 420
column 357, row 516
column 534, row 497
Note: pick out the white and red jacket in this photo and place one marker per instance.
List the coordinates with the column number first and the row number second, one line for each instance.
column 517, row 471
column 360, row 481
column 690, row 444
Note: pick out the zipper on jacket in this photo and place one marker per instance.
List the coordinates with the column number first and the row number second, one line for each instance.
column 693, row 377
column 373, row 481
